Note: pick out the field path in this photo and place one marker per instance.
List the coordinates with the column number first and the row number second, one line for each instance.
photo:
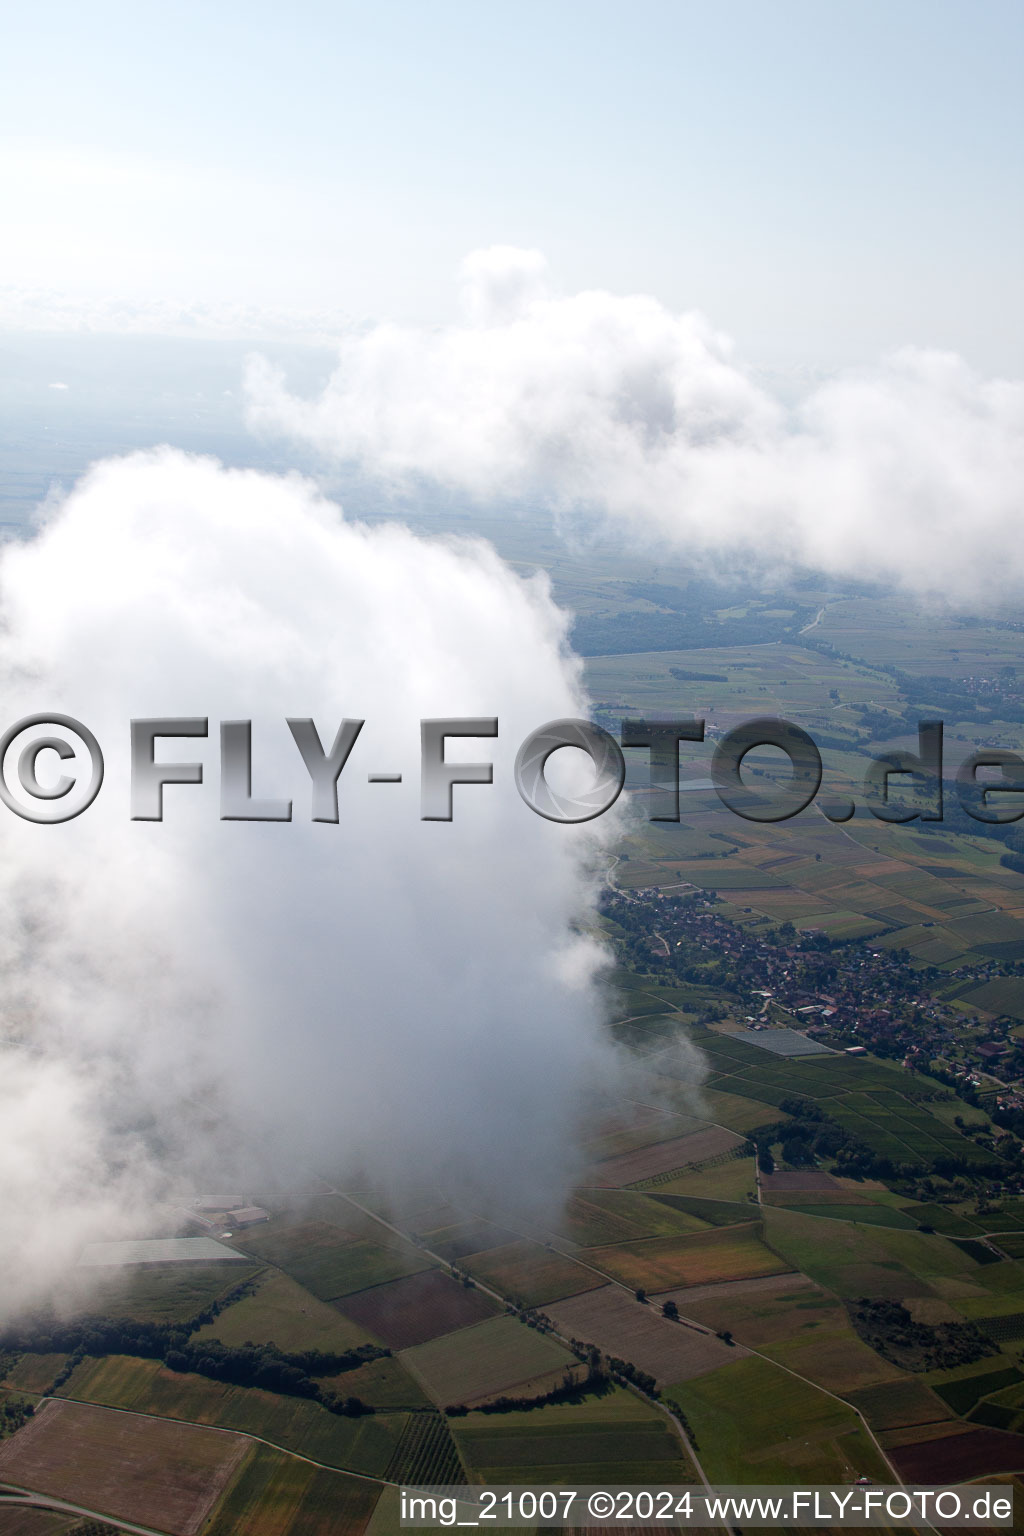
column 684, row 1437
column 25, row 1499
column 690, row 1322
column 219, row 1429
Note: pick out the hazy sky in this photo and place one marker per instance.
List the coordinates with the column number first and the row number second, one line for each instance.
column 823, row 180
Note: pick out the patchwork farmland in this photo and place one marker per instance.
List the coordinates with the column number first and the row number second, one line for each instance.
column 614, row 1321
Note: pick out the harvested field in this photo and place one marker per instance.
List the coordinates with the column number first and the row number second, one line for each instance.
column 417, row 1308
column 529, row 1274
column 798, row 1178
column 917, row 1434
column 663, row 1157
column 493, row 1358
column 762, row 1318
column 662, row 1263
column 957, row 1458
column 278, row 1495
column 834, row 1358
column 743, row 1289
column 820, row 1197
column 147, row 1470
column 624, row 1327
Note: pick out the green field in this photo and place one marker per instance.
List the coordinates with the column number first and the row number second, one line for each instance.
column 866, row 1097
column 33, row 1373
column 898, row 1404
column 601, row 1216
column 426, row 1453
column 716, row 1213
column 756, row 1424
column 870, row 1215
column 384, row 1383
column 500, row 1356
column 858, row 1261
column 662, row 1263
column 159, row 1293
column 326, row 1260
column 359, row 1445
column 732, row 1181
column 530, row 1274
column 962, row 1395
column 614, row 1438
column 834, row 1358
column 280, row 1311
column 276, row 1495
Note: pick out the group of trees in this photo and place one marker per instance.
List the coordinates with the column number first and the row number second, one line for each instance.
column 13, row 1414
column 248, row 1365
column 266, row 1366
column 890, row 1329
column 595, row 1384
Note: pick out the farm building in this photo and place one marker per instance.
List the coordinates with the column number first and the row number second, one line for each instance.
column 246, row 1216
column 159, row 1250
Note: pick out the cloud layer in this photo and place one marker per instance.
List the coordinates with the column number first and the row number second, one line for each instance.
column 911, row 471
column 198, row 1000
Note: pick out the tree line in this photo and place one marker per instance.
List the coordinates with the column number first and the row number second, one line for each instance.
column 291, row 1373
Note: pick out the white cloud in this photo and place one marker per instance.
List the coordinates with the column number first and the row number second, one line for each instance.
column 912, row 470
column 238, row 1001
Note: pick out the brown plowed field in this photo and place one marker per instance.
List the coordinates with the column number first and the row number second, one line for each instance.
column 622, row 1326
column 152, row 1471
column 798, row 1178
column 956, row 1458
column 662, row 1157
column 416, row 1308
